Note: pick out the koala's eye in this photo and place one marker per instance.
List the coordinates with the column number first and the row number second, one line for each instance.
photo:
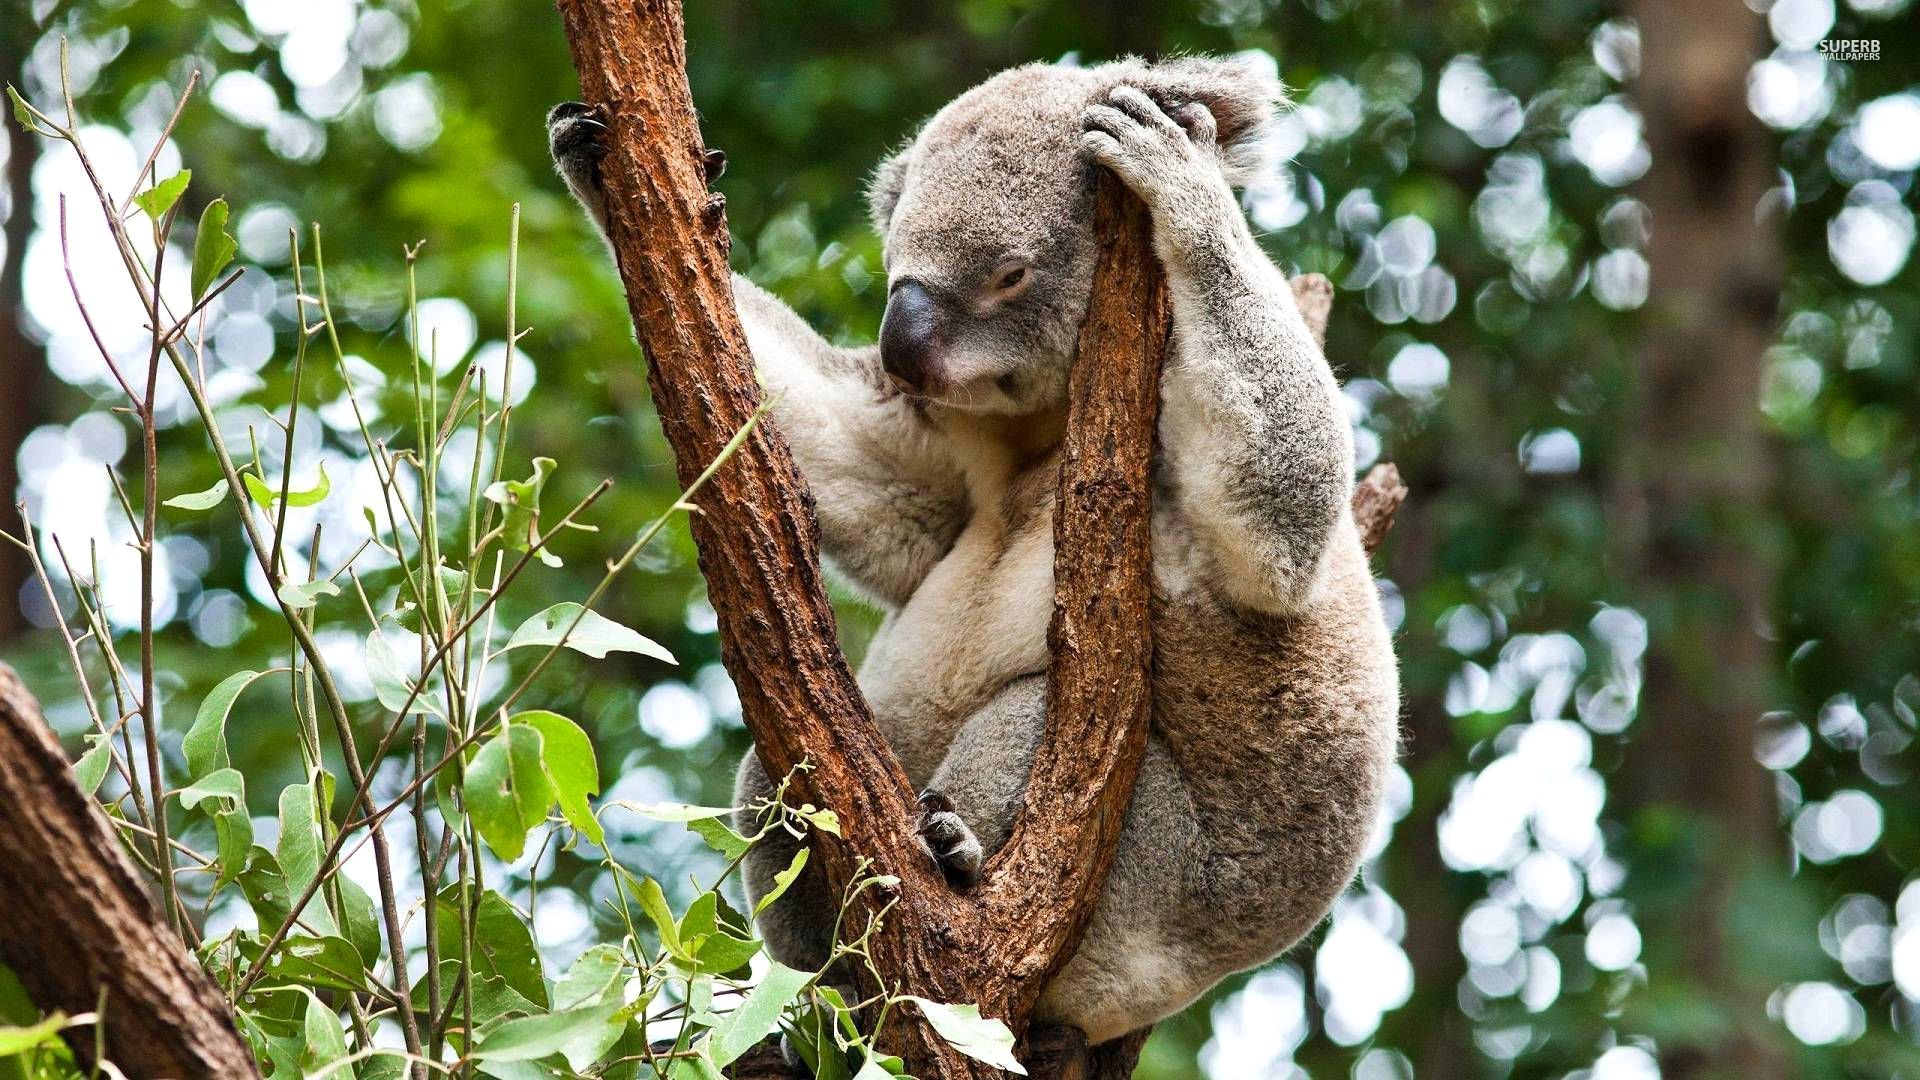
column 1011, row 279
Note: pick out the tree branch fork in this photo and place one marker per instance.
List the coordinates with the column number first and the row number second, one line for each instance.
column 998, row 944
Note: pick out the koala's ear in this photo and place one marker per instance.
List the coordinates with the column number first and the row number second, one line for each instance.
column 884, row 187
column 1244, row 96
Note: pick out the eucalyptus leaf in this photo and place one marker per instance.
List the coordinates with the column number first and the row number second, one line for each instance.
column 219, row 784
column 300, row 846
column 590, row 977
column 326, row 1038
column 743, row 1028
column 327, row 962
column 507, row 791
column 205, row 744
column 14, row 1040
column 265, row 495
column 393, row 678
column 91, row 769
column 212, row 248
column 200, row 500
column 979, row 1037
column 595, row 634
column 720, row 837
column 159, row 198
column 503, row 946
column 302, row 595
column 568, row 756
column 529, row 1038
column 521, row 500
column 782, row 881
column 654, row 902
column 21, row 114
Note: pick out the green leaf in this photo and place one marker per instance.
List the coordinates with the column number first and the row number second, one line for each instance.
column 303, row 595
column 492, row 997
column 704, row 821
column 700, row 1066
column 675, row 811
column 724, row 953
column 212, row 248
column 720, row 837
column 205, row 744
column 300, row 847
column 21, row 114
column 233, row 832
column 654, row 903
column 979, row 1037
column 503, row 946
column 264, row 495
column 220, row 784
column 744, row 1027
column 568, row 755
column 590, row 977
column 507, row 791
column 326, row 1039
column 200, row 500
column 92, row 766
column 393, row 679
column 326, row 962
column 159, row 198
column 362, row 928
column 579, row 1033
column 701, row 919
column 14, row 1040
column 782, row 881
column 521, row 498
column 825, row 820
column 596, row 635
column 266, row 888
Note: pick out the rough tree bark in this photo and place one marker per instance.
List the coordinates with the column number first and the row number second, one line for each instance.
column 77, row 919
column 998, row 944
column 1693, row 499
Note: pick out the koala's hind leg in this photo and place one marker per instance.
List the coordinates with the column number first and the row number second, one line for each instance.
column 1133, row 965
column 798, row 927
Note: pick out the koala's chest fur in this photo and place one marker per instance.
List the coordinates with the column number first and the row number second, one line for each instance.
column 978, row 620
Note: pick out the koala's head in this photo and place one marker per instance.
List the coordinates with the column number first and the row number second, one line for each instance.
column 988, row 221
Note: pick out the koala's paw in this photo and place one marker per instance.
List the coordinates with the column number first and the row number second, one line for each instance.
column 1155, row 151
column 576, row 136
column 948, row 840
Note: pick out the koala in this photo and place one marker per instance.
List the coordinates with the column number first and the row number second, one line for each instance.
column 933, row 458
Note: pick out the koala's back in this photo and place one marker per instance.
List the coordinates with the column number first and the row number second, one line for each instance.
column 1260, row 788
column 1285, row 729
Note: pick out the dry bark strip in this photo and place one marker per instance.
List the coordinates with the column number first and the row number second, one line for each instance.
column 758, row 542
column 76, row 918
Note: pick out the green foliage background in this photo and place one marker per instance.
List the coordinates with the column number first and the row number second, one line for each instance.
column 1499, row 566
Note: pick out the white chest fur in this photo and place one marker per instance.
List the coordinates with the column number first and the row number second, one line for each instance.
column 977, row 622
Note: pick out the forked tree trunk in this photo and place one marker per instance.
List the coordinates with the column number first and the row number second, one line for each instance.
column 79, row 928
column 999, row 944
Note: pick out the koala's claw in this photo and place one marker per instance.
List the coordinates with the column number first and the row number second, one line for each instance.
column 576, row 130
column 948, row 840
column 1155, row 149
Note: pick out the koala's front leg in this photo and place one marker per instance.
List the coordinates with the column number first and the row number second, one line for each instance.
column 888, row 495
column 576, row 137
column 1255, row 438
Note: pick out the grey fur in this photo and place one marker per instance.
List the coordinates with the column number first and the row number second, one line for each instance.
column 1275, row 690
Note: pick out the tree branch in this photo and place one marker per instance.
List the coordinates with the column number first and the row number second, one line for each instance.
column 75, row 919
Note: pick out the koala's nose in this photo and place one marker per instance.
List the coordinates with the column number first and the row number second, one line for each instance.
column 908, row 334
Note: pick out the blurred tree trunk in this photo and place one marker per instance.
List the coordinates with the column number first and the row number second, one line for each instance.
column 21, row 358
column 79, row 928
column 1693, row 498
